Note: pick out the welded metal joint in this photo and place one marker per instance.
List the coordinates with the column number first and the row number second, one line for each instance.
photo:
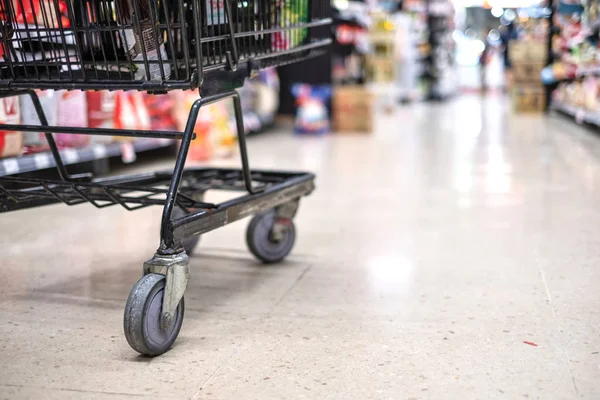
column 176, row 269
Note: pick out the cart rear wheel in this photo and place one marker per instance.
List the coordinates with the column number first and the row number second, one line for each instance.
column 260, row 240
column 141, row 321
column 190, row 243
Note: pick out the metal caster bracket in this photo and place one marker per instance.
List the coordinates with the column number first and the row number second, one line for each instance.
column 176, row 268
column 284, row 214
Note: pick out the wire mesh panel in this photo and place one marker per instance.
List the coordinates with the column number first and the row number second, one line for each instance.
column 148, row 44
column 131, row 192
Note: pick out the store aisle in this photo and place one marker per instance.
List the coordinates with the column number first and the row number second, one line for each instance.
column 452, row 254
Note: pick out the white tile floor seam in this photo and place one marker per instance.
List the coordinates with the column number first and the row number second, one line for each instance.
column 198, row 394
column 556, row 321
column 452, row 254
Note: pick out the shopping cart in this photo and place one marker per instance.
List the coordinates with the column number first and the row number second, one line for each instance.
column 157, row 46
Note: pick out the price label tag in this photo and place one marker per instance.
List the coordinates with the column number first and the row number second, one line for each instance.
column 128, row 153
column 579, row 116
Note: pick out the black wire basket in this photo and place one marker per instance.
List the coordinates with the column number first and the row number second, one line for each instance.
column 153, row 45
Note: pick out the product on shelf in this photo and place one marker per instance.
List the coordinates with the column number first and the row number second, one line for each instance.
column 581, row 96
column 101, row 108
column 35, row 142
column 222, row 136
column 201, row 148
column 10, row 142
column 380, row 62
column 153, row 45
column 131, row 113
column 576, row 61
column 160, row 109
column 72, row 112
column 312, row 115
column 263, row 94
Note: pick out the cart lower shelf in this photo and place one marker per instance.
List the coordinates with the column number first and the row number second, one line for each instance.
column 142, row 190
column 155, row 307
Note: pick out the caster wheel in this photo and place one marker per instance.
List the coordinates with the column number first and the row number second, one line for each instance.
column 141, row 321
column 189, row 244
column 261, row 243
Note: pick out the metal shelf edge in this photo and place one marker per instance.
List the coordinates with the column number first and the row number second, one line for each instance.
column 39, row 161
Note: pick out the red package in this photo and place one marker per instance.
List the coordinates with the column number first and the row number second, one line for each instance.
column 131, row 112
column 101, row 111
column 10, row 142
column 160, row 110
column 101, row 107
column 41, row 13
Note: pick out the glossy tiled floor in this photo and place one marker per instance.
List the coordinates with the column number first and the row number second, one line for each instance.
column 433, row 256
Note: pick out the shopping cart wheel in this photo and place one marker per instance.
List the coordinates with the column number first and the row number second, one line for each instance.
column 190, row 243
column 262, row 242
column 142, row 317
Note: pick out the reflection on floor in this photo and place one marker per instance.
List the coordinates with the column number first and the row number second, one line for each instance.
column 452, row 254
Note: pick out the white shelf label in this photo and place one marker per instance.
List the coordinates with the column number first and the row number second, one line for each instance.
column 99, row 151
column 11, row 166
column 70, row 156
column 42, row 161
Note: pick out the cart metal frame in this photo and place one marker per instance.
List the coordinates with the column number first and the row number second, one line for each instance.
column 271, row 196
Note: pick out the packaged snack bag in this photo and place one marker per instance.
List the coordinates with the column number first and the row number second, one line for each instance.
column 35, row 142
column 131, row 113
column 160, row 109
column 312, row 115
column 154, row 46
column 43, row 13
column 221, row 133
column 10, row 142
column 101, row 107
column 72, row 111
column 201, row 148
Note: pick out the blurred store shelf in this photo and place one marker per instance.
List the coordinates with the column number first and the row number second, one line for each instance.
column 40, row 161
column 579, row 114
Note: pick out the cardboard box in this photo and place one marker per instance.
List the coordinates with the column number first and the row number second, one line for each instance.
column 351, row 97
column 353, row 123
column 530, row 98
column 352, row 109
column 528, row 73
column 524, row 52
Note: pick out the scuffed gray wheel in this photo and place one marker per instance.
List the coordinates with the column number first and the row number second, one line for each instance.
column 260, row 240
column 189, row 244
column 141, row 321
